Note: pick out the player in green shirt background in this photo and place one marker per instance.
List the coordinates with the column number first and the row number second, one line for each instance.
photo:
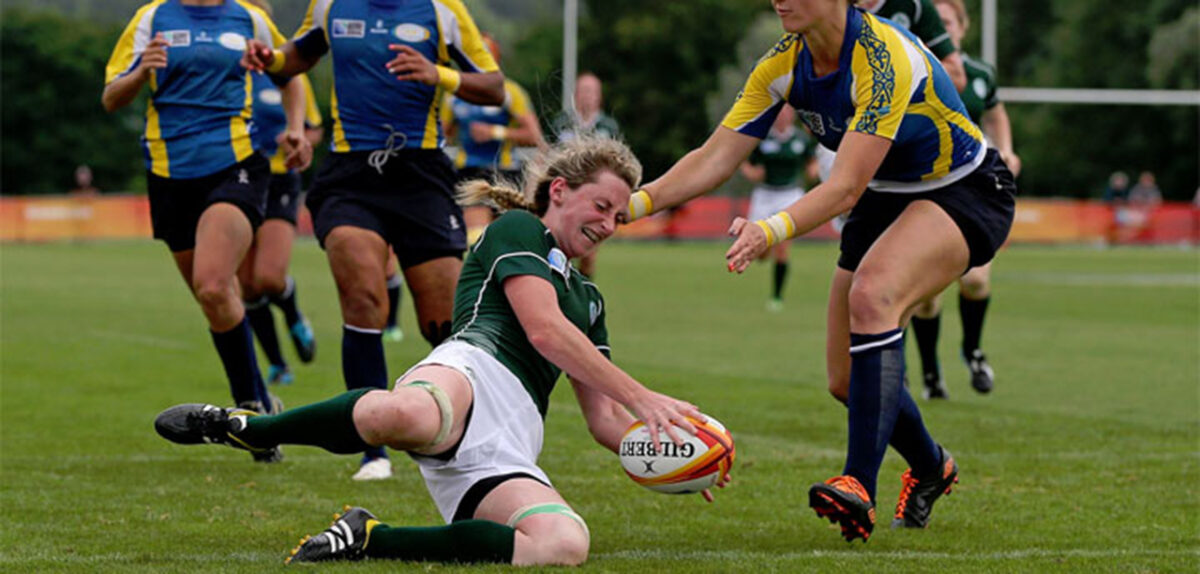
column 779, row 167
column 974, row 288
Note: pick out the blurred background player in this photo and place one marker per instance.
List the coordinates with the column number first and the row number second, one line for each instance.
column 975, row 287
column 264, row 273
column 779, row 167
column 387, row 182
column 928, row 200
column 472, row 412
column 83, row 183
column 207, row 184
column 588, row 117
column 486, row 138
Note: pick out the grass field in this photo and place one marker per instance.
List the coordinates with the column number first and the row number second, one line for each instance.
column 1084, row 459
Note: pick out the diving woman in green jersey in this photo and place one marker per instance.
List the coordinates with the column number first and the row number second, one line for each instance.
column 928, row 201
column 472, row 412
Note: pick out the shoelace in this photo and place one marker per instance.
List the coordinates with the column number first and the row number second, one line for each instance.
column 380, row 157
column 909, row 484
column 851, row 485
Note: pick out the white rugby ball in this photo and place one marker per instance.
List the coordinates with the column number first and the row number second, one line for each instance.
column 693, row 466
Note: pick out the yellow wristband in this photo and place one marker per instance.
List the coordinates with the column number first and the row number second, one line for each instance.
column 499, row 132
column 640, row 205
column 778, row 228
column 277, row 63
column 449, row 79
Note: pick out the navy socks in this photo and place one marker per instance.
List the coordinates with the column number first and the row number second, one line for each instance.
column 364, row 366
column 236, row 348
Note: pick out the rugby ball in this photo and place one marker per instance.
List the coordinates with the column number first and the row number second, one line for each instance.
column 693, row 466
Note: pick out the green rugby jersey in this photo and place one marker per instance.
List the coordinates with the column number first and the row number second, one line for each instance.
column 517, row 243
column 918, row 17
column 784, row 157
column 980, row 93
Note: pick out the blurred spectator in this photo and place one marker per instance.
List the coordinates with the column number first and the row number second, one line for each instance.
column 1145, row 194
column 83, row 182
column 1118, row 187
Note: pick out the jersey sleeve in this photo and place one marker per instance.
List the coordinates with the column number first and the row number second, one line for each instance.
column 461, row 38
column 264, row 29
column 514, row 245
column 930, row 30
column 886, row 68
column 133, row 41
column 597, row 332
column 765, row 91
column 312, row 39
column 516, row 100
column 312, row 115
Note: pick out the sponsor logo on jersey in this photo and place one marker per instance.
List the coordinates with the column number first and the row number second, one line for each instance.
column 814, row 121
column 594, row 309
column 980, row 86
column 902, row 20
column 411, row 33
column 203, row 37
column 271, row 97
column 343, row 28
column 233, row 41
column 178, row 38
column 558, row 261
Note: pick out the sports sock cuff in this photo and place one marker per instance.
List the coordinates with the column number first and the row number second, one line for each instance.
column 860, row 343
column 257, row 303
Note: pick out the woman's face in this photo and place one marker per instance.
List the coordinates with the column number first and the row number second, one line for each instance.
column 582, row 218
column 950, row 21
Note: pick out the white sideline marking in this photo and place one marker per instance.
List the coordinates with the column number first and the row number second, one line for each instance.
column 902, row 555
column 157, row 342
column 1105, row 279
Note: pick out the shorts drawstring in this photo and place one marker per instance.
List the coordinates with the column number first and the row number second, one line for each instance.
column 380, row 157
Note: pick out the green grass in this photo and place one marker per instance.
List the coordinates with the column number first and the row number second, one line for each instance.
column 1084, row 459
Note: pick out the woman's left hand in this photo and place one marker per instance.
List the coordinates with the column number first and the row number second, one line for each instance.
column 750, row 244
column 297, row 150
column 409, row 65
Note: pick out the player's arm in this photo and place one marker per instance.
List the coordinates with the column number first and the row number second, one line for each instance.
column 607, row 420
column 999, row 130
column 859, row 157
column 561, row 343
column 297, row 147
column 953, row 63
column 124, row 88
column 700, row 171
column 284, row 62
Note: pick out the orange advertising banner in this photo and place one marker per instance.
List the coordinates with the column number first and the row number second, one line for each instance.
column 48, row 218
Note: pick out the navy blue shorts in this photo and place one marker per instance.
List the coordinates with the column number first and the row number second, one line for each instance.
column 411, row 204
column 981, row 204
column 176, row 204
column 283, row 196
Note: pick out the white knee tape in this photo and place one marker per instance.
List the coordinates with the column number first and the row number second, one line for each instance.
column 548, row 508
column 445, row 408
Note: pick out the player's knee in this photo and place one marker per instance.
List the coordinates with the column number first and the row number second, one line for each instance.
column 974, row 287
column 361, row 307
column 392, row 419
column 566, row 545
column 270, row 284
column 871, row 303
column 212, row 293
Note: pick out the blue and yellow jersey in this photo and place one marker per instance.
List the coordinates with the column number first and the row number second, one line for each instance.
column 887, row 84
column 270, row 119
column 492, row 153
column 371, row 109
column 198, row 115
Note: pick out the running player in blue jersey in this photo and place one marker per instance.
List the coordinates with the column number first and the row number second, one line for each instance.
column 929, row 202
column 387, row 182
column 207, row 184
column 472, row 412
column 974, row 288
column 487, row 137
column 779, row 167
column 264, row 275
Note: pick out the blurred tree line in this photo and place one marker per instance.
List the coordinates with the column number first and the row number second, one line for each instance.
column 670, row 68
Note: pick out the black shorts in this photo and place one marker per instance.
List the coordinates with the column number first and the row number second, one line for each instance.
column 283, row 196
column 981, row 204
column 411, row 204
column 176, row 204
